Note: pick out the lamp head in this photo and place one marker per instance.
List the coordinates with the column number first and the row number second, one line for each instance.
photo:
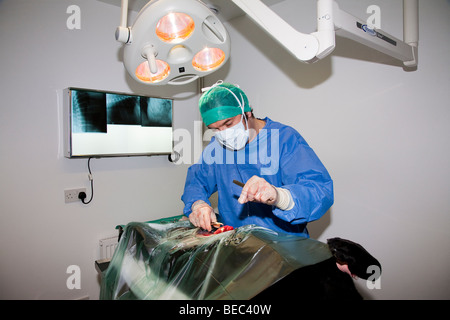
column 175, row 42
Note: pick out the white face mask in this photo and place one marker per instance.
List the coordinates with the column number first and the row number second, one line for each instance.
column 235, row 137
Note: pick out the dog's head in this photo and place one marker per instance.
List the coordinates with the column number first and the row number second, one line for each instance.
column 354, row 256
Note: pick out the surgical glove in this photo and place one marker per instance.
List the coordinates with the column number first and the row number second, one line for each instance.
column 257, row 189
column 202, row 215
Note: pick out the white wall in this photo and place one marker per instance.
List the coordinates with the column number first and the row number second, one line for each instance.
column 41, row 235
column 382, row 133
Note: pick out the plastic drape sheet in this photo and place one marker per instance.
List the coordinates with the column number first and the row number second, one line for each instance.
column 175, row 261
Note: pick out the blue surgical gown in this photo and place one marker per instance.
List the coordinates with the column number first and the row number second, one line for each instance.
column 278, row 154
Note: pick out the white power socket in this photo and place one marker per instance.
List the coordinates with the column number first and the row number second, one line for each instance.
column 71, row 195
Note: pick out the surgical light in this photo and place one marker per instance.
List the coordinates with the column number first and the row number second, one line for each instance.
column 178, row 41
column 173, row 42
column 208, row 59
column 175, row 27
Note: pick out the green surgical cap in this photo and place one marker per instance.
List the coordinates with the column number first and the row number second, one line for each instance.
column 218, row 103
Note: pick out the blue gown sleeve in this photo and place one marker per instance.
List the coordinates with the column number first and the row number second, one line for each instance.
column 200, row 185
column 304, row 175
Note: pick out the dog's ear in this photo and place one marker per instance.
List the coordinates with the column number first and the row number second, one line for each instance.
column 354, row 255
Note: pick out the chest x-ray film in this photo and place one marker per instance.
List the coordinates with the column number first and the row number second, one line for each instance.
column 106, row 124
column 174, row 260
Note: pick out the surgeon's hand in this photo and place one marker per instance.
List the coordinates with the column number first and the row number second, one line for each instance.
column 202, row 215
column 257, row 189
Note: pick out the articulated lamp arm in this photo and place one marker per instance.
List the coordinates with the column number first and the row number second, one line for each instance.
column 331, row 20
column 123, row 33
column 350, row 27
column 305, row 47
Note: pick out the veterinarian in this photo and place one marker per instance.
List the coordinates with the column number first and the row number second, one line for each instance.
column 286, row 185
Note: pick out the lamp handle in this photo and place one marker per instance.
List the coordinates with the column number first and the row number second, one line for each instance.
column 149, row 53
column 214, row 30
column 190, row 77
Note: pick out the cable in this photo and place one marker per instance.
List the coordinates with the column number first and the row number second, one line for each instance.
column 82, row 195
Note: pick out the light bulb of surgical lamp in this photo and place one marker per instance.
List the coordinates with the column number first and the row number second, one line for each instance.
column 143, row 72
column 175, row 27
column 208, row 59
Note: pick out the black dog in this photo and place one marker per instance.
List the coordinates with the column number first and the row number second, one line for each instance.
column 326, row 280
column 354, row 256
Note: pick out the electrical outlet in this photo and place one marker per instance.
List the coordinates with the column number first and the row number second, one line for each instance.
column 71, row 195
